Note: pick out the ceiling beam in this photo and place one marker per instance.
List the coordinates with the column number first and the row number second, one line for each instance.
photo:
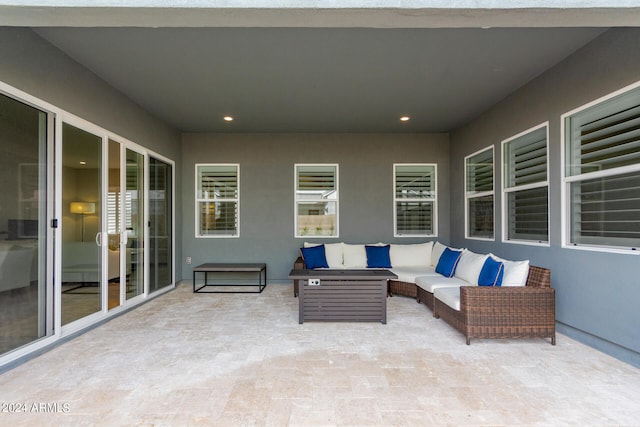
column 314, row 17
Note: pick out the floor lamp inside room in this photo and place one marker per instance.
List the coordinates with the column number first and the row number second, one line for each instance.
column 82, row 208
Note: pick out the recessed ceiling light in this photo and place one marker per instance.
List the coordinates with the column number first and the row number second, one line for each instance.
column 405, row 118
column 228, row 118
column 83, row 162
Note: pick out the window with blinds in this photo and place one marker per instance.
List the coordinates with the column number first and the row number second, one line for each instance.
column 479, row 194
column 525, row 192
column 114, row 201
column 217, row 200
column 602, row 174
column 316, row 200
column 415, row 200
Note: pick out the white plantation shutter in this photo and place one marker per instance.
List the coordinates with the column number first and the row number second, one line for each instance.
column 415, row 200
column 318, row 179
column 316, row 200
column 480, row 172
column 113, row 209
column 606, row 211
column 479, row 194
column 112, row 212
column 603, row 172
column 526, row 159
column 526, row 187
column 218, row 196
column 605, row 136
column 218, row 182
column 528, row 214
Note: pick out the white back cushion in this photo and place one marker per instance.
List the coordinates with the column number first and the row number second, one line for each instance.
column 515, row 272
column 469, row 266
column 332, row 251
column 355, row 256
column 417, row 255
column 436, row 252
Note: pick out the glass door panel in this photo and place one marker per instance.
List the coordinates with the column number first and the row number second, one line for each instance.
column 161, row 227
column 81, row 223
column 25, row 301
column 134, row 222
column 114, row 225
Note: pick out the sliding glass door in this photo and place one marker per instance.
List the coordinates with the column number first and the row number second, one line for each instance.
column 115, row 228
column 134, row 220
column 161, row 225
column 25, row 300
column 81, row 223
column 86, row 224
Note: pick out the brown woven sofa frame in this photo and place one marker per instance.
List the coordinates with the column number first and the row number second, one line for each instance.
column 490, row 312
column 505, row 311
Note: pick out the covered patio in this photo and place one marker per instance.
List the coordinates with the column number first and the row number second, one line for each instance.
column 195, row 359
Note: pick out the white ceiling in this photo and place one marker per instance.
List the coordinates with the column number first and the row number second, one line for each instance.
column 317, row 79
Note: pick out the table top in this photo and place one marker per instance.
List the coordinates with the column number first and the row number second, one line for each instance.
column 230, row 266
column 347, row 274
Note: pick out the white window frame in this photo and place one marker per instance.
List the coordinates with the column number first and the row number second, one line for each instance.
column 568, row 180
column 199, row 200
column 474, row 195
column 434, row 200
column 296, row 201
column 506, row 190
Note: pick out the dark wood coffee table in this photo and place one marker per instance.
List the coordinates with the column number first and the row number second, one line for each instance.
column 342, row 295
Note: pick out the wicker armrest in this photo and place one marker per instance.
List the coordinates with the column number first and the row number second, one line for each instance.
column 539, row 277
column 516, row 300
column 508, row 311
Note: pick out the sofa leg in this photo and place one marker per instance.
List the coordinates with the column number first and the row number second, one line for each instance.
column 468, row 341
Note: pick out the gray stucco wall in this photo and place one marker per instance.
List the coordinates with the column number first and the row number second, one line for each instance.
column 267, row 190
column 34, row 66
column 596, row 292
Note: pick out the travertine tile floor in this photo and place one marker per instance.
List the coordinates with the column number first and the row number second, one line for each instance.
column 225, row 360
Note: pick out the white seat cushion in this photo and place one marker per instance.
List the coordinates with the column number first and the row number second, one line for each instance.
column 409, row 274
column 431, row 283
column 449, row 296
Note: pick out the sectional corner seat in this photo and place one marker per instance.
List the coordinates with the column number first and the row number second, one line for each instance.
column 521, row 306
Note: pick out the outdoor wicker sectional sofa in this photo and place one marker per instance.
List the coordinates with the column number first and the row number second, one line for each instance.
column 522, row 307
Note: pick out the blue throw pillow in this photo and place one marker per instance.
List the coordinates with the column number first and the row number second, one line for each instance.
column 448, row 262
column 314, row 257
column 378, row 256
column 491, row 273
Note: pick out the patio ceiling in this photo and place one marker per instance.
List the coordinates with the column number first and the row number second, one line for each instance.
column 307, row 66
column 317, row 79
